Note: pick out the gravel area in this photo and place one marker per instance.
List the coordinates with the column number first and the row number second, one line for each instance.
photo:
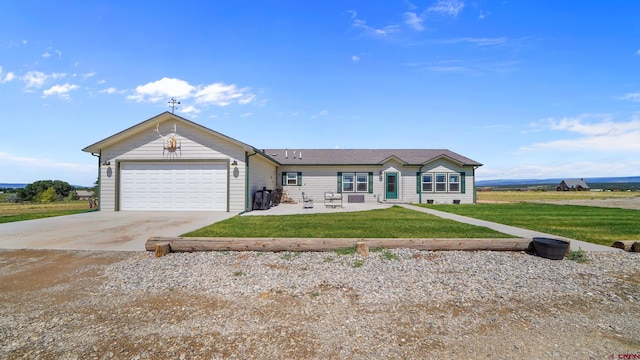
column 394, row 304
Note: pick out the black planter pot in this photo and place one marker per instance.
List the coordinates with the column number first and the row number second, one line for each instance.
column 553, row 249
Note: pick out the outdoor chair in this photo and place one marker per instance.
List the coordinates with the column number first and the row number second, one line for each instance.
column 308, row 202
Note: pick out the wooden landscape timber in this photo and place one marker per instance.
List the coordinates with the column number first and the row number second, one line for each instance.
column 190, row 244
column 627, row 245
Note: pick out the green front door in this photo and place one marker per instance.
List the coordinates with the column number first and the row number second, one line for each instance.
column 391, row 186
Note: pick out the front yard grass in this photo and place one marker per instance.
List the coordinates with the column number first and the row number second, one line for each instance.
column 394, row 222
column 596, row 225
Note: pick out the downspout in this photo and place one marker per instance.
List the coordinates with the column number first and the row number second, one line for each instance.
column 246, row 179
column 420, row 180
column 99, row 156
column 475, row 191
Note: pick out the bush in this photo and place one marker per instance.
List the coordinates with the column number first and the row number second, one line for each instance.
column 48, row 195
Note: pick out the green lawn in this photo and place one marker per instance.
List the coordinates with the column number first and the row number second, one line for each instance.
column 592, row 224
column 395, row 222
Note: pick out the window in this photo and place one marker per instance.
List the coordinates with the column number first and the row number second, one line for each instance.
column 292, row 179
column 356, row 182
column 347, row 182
column 454, row 182
column 441, row 182
column 427, row 182
column 362, row 182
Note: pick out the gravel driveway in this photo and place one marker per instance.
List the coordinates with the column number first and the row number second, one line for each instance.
column 399, row 304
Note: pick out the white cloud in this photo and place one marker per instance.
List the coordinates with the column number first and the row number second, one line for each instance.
column 34, row 79
column 602, row 135
column 478, row 41
column 447, row 7
column 414, row 21
column 6, row 78
column 88, row 75
column 46, row 54
column 375, row 32
column 218, row 94
column 30, row 162
column 321, row 113
column 60, row 90
column 355, row 58
column 162, row 89
column 632, row 97
column 110, row 90
column 248, row 114
column 190, row 110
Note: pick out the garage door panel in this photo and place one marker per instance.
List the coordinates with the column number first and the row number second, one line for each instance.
column 173, row 186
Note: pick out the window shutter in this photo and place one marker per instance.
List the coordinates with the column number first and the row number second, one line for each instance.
column 299, row 178
column 284, row 179
column 339, row 182
column 418, row 182
column 370, row 183
column 462, row 182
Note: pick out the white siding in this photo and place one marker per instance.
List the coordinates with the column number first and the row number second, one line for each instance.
column 262, row 174
column 316, row 180
column 195, row 144
column 444, row 166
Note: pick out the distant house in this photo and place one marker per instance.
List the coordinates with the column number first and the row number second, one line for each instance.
column 84, row 194
column 573, row 185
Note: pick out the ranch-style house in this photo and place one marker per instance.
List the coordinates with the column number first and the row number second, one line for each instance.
column 169, row 163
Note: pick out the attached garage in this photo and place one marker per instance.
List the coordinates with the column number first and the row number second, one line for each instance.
column 173, row 186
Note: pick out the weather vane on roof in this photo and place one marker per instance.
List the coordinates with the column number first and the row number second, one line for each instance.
column 173, row 103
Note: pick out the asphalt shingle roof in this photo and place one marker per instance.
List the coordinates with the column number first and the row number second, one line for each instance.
column 362, row 156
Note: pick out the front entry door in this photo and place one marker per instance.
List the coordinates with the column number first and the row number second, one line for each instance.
column 391, row 185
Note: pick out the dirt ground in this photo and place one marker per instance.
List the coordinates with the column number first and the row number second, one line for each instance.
column 50, row 311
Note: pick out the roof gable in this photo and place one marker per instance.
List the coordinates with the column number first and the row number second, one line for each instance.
column 150, row 124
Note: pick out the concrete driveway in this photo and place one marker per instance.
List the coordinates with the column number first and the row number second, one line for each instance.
column 120, row 230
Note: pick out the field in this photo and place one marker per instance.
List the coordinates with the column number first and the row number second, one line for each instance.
column 26, row 211
column 553, row 196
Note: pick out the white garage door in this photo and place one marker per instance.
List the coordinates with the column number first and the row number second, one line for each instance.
column 173, row 186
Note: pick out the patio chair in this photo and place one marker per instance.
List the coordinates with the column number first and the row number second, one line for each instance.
column 308, row 202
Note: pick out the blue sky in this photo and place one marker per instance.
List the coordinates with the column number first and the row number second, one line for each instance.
column 531, row 89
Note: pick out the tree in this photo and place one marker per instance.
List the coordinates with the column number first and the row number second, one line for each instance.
column 34, row 190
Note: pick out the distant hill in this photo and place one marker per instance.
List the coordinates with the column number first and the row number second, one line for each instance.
column 21, row 186
column 531, row 182
column 12, row 186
